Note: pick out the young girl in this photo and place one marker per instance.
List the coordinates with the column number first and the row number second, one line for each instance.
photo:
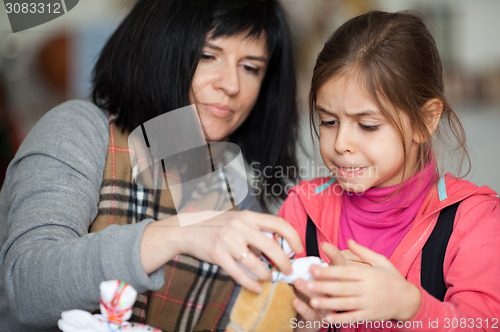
column 377, row 89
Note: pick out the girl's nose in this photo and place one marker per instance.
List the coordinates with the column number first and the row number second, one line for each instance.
column 344, row 142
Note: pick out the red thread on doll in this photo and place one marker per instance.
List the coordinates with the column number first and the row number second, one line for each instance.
column 115, row 314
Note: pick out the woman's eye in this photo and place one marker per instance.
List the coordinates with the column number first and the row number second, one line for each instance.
column 207, row 56
column 251, row 69
column 369, row 128
column 328, row 123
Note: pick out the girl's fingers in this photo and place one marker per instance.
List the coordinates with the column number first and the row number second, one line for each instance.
column 336, row 303
column 366, row 255
column 301, row 286
column 305, row 310
column 332, row 252
column 347, row 316
column 333, row 288
column 352, row 272
column 350, row 257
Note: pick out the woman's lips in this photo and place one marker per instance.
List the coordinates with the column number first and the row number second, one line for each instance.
column 350, row 172
column 220, row 111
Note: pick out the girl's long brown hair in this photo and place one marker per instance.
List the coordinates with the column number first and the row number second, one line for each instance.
column 395, row 58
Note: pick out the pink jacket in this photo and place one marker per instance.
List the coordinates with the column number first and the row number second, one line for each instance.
column 471, row 264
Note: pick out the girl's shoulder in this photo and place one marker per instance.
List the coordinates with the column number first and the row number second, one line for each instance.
column 478, row 204
column 451, row 188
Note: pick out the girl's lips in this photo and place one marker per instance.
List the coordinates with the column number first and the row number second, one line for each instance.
column 219, row 111
column 350, row 172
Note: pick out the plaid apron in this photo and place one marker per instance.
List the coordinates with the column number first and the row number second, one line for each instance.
column 196, row 293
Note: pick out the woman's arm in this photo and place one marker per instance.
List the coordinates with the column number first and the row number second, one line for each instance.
column 49, row 261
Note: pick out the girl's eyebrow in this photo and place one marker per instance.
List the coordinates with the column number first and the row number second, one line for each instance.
column 368, row 112
column 320, row 109
column 249, row 57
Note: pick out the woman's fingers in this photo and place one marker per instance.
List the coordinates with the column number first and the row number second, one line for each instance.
column 280, row 226
column 271, row 249
column 254, row 265
column 235, row 234
column 267, row 245
column 238, row 274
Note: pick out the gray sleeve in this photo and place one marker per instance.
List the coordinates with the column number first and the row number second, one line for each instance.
column 49, row 199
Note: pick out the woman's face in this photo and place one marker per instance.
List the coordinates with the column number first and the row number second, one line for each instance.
column 227, row 82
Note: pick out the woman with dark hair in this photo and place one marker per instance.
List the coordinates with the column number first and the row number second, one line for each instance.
column 72, row 177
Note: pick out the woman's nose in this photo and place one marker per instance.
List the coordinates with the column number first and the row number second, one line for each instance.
column 228, row 80
column 344, row 142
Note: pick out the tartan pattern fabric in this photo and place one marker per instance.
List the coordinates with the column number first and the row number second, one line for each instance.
column 196, row 293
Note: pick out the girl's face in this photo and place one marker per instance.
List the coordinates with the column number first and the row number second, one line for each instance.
column 357, row 143
column 227, row 82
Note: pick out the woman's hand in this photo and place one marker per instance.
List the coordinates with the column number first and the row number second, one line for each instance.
column 374, row 290
column 224, row 240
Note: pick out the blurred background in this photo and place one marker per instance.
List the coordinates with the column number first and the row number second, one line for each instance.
column 46, row 65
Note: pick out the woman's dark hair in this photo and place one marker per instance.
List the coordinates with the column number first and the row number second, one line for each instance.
column 147, row 66
column 396, row 60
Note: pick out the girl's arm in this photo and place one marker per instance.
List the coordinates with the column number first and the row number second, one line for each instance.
column 378, row 291
column 471, row 271
column 374, row 290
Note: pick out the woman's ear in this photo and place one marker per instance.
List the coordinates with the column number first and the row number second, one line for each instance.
column 432, row 109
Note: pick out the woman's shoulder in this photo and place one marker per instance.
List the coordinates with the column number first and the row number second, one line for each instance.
column 75, row 133
column 75, row 113
column 72, row 121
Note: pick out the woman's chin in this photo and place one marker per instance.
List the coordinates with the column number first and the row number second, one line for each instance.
column 216, row 137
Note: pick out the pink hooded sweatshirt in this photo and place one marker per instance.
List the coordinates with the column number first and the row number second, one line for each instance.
column 471, row 264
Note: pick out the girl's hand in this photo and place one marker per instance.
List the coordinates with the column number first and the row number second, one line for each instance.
column 374, row 290
column 305, row 312
column 301, row 303
column 225, row 240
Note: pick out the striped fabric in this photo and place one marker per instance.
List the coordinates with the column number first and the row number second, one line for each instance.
column 195, row 294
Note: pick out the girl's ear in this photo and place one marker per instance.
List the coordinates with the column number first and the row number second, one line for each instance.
column 432, row 111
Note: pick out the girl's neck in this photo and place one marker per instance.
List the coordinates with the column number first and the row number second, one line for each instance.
column 379, row 218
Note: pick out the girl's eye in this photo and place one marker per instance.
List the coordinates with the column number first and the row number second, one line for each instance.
column 369, row 128
column 207, row 56
column 328, row 123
